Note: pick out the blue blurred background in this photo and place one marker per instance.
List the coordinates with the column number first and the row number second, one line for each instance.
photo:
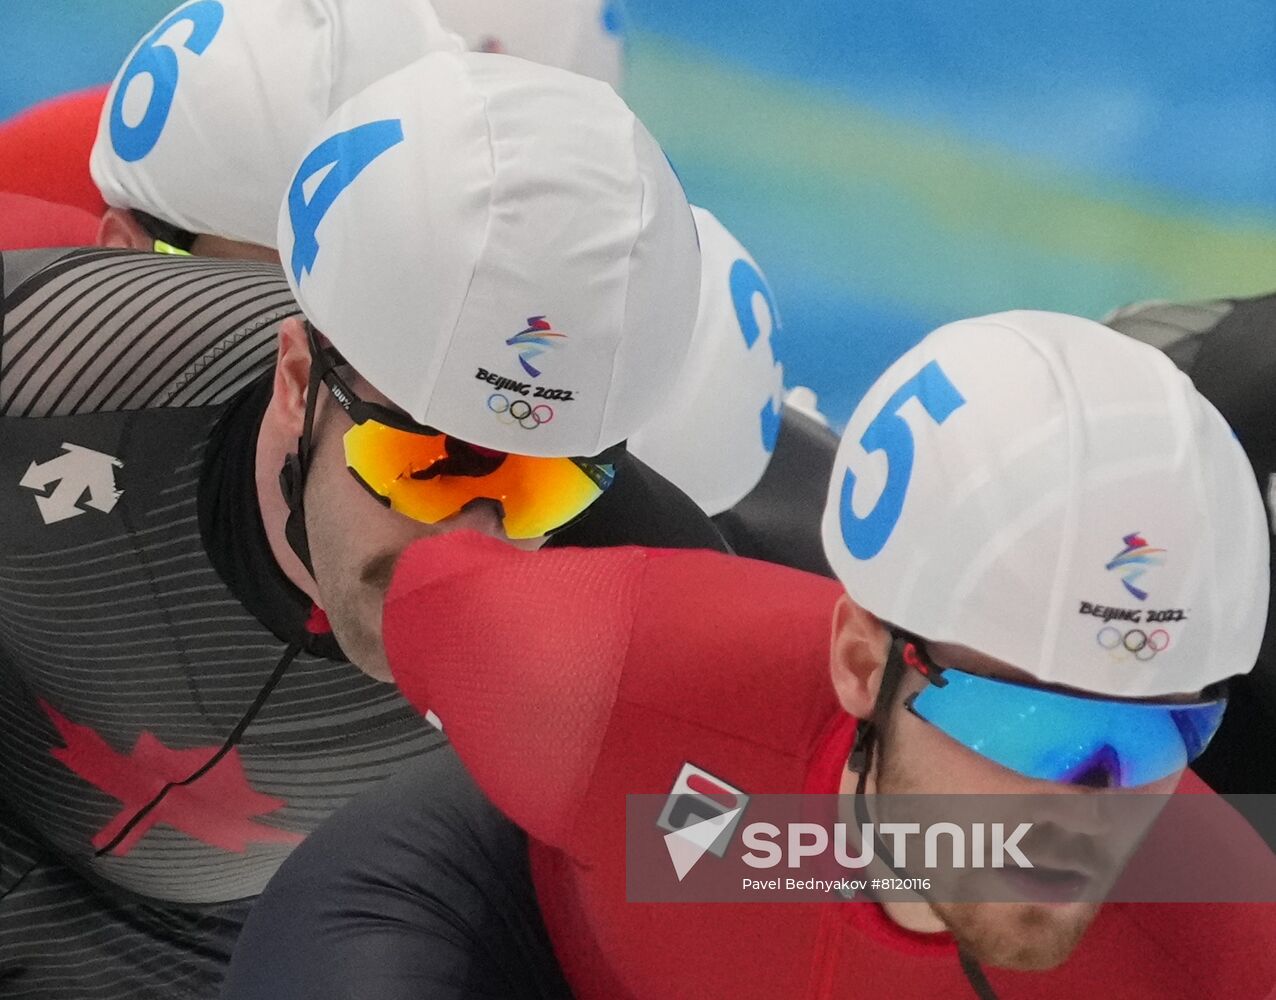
column 895, row 166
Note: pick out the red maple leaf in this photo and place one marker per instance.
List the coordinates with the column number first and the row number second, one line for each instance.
column 217, row 809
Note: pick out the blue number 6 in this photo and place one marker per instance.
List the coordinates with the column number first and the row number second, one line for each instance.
column 159, row 62
column 747, row 281
column 889, row 432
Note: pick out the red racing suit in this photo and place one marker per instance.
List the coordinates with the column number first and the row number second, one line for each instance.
column 569, row 678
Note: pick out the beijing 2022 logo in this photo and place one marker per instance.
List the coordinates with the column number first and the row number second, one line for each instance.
column 1132, row 631
column 507, row 403
column 1134, row 560
column 535, row 340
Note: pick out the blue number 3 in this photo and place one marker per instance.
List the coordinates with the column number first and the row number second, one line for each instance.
column 889, row 432
column 747, row 281
column 159, row 62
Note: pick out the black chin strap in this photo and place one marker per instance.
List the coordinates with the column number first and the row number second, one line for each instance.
column 975, row 976
column 861, row 763
column 292, row 477
column 231, row 741
column 292, row 481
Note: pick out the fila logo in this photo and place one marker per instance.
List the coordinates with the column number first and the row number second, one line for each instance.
column 700, row 816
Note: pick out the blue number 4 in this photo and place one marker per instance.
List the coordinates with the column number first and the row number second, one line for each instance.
column 345, row 156
column 889, row 432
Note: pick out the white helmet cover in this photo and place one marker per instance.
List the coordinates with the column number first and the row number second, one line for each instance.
column 502, row 249
column 584, row 36
column 716, row 434
column 1052, row 494
column 212, row 109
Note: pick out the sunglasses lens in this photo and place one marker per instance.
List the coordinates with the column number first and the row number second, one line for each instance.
column 1051, row 736
column 431, row 477
column 543, row 494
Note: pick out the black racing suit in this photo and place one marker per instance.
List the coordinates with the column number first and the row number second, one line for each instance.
column 779, row 520
column 1228, row 348
column 143, row 619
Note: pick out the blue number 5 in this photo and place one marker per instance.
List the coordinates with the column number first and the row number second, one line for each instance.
column 159, row 62
column 889, row 432
column 747, row 281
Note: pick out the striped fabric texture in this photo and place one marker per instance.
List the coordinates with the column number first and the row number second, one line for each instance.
column 124, row 659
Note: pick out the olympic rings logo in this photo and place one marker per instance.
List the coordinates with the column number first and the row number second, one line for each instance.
column 1142, row 645
column 520, row 411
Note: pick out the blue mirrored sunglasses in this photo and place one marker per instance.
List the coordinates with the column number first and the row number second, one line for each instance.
column 1053, row 736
